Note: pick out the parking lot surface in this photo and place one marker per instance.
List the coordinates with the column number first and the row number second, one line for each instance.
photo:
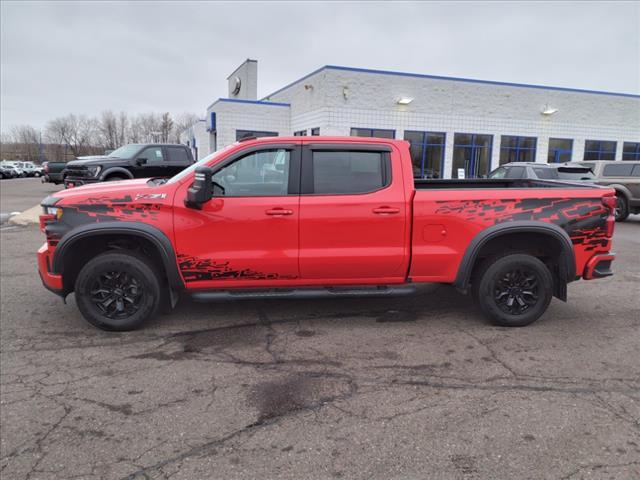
column 405, row 388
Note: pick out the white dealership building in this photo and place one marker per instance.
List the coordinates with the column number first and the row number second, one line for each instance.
column 451, row 123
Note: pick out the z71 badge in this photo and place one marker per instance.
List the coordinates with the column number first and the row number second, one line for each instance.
column 150, row 196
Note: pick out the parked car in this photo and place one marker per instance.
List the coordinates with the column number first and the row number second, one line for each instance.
column 7, row 172
column 129, row 161
column 15, row 166
column 53, row 172
column 543, row 171
column 31, row 169
column 624, row 177
column 343, row 216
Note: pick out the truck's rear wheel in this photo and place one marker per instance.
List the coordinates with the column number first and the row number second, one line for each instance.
column 117, row 291
column 514, row 290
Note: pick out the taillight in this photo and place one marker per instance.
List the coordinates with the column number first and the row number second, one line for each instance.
column 610, row 203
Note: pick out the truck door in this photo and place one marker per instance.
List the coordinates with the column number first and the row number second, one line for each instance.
column 247, row 234
column 352, row 214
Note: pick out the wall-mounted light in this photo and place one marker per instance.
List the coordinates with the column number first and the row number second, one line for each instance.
column 345, row 92
column 404, row 101
column 548, row 111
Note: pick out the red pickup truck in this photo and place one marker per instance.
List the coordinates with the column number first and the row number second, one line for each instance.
column 287, row 216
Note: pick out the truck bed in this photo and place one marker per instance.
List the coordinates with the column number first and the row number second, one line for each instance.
column 497, row 183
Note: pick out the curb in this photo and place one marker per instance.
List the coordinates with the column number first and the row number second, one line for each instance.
column 28, row 217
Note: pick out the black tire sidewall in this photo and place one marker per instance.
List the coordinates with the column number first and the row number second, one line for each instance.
column 137, row 266
column 621, row 202
column 494, row 270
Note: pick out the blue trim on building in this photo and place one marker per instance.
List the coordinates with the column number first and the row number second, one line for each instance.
column 454, row 79
column 252, row 102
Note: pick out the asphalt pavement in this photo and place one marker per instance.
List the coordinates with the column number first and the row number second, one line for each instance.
column 407, row 388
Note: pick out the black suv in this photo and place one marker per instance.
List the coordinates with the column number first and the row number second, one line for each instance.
column 130, row 161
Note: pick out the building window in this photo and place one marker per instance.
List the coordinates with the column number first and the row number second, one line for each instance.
column 599, row 150
column 240, row 134
column 300, row 133
column 471, row 155
column 373, row 132
column 315, row 131
column 427, row 153
column 631, row 151
column 517, row 149
column 560, row 150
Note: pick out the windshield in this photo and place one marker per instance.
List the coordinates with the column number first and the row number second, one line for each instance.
column 184, row 173
column 125, row 151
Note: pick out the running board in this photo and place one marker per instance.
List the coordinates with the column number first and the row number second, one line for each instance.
column 311, row 292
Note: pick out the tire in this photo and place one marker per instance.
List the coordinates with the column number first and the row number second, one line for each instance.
column 115, row 178
column 108, row 272
column 503, row 280
column 622, row 207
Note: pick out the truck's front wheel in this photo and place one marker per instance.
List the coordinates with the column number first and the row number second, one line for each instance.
column 117, row 291
column 514, row 290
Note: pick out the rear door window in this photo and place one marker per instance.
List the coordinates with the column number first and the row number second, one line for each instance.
column 349, row 172
column 621, row 170
column 546, row 173
column 178, row 155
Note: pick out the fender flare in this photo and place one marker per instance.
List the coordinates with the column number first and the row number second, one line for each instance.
column 113, row 170
column 567, row 255
column 141, row 230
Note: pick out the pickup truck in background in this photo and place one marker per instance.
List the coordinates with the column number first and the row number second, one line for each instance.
column 53, row 172
column 129, row 161
column 321, row 216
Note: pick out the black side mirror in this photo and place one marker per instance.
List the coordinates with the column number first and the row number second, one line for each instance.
column 141, row 161
column 201, row 190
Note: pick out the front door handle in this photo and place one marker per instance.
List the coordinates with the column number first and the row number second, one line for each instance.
column 386, row 210
column 278, row 212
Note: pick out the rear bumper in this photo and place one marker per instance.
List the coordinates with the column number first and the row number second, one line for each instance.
column 599, row 266
column 51, row 281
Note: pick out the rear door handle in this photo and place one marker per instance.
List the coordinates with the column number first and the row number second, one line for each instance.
column 386, row 210
column 278, row 212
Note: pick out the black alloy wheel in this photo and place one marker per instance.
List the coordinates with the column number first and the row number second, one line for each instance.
column 117, row 294
column 516, row 291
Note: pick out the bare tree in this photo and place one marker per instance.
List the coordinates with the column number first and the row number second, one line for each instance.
column 76, row 132
column 183, row 122
column 123, row 126
column 27, row 142
column 166, row 127
column 108, row 129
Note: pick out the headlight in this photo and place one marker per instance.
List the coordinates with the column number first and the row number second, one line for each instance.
column 53, row 211
column 94, row 171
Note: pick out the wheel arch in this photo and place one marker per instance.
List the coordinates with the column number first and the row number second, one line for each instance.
column 115, row 171
column 501, row 232
column 152, row 236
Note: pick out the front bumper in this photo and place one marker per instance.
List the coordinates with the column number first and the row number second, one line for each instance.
column 70, row 182
column 51, row 281
column 599, row 266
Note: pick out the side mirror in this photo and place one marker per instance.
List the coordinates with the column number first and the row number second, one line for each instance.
column 141, row 161
column 201, row 190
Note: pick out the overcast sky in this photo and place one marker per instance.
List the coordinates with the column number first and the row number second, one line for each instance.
column 86, row 57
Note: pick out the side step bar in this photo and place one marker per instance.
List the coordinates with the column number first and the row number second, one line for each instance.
column 311, row 292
